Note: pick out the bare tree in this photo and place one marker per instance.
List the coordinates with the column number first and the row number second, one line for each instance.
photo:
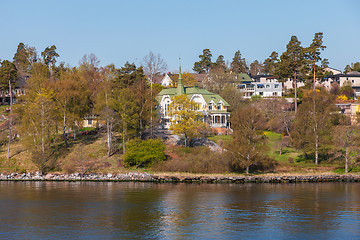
column 153, row 65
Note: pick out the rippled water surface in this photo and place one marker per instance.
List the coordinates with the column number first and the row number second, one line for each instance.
column 88, row 210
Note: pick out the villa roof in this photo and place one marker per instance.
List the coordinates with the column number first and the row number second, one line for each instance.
column 190, row 91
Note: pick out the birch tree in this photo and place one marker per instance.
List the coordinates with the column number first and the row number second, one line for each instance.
column 312, row 125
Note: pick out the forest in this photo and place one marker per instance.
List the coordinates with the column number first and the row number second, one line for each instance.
column 42, row 126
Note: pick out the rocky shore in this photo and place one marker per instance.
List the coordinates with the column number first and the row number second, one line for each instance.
column 146, row 177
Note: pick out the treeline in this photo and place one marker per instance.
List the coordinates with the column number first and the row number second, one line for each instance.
column 58, row 98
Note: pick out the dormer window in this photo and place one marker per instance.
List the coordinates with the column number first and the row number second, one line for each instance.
column 218, row 107
column 210, row 106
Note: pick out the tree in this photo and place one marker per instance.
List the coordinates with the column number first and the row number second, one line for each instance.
column 189, row 79
column 104, row 104
column 205, row 64
column 256, row 68
column 312, row 53
column 38, row 118
column 291, row 62
column 352, row 67
column 185, row 119
column 127, row 113
column 238, row 64
column 72, row 99
column 346, row 138
column 248, row 144
column 220, row 64
column 312, row 125
column 25, row 57
column 49, row 56
column 270, row 64
column 347, row 90
column 153, row 66
column 8, row 74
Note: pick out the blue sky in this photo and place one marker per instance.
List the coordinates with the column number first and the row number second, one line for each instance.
column 120, row 31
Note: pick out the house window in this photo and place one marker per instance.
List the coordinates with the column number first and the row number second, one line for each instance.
column 261, row 93
column 275, row 94
column 90, row 121
column 353, row 81
column 218, row 106
column 276, row 85
column 222, row 119
column 267, row 85
column 210, row 107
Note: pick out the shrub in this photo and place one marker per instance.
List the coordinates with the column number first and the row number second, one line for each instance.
column 195, row 160
column 143, row 153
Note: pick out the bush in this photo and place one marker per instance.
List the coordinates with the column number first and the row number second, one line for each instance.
column 143, row 153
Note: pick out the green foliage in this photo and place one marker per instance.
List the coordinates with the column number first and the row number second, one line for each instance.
column 8, row 73
column 270, row 64
column 352, row 67
column 347, row 90
column 291, row 61
column 143, row 153
column 25, row 57
column 205, row 64
column 238, row 64
column 49, row 55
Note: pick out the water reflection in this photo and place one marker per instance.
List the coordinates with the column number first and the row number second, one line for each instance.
column 87, row 210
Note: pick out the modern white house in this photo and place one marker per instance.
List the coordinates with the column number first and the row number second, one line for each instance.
column 261, row 85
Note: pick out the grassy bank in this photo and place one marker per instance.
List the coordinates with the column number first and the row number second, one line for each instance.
column 89, row 152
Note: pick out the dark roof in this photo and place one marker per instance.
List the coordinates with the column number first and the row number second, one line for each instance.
column 349, row 74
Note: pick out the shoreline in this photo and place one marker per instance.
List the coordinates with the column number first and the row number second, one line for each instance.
column 181, row 178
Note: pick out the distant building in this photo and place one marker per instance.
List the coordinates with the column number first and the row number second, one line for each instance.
column 212, row 106
column 260, row 85
column 350, row 108
column 350, row 77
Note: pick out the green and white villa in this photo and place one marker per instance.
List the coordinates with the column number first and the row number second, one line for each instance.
column 212, row 106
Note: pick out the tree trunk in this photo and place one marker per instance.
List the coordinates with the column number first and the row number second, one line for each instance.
column 314, row 74
column 108, row 133
column 64, row 130
column 295, row 95
column 10, row 121
column 247, row 169
column 74, row 130
column 124, row 137
column 347, row 160
column 316, row 149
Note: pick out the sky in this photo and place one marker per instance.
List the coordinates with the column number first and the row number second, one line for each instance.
column 117, row 31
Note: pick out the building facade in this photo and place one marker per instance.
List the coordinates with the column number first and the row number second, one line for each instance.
column 212, row 106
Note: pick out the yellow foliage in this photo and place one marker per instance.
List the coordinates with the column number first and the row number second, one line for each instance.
column 342, row 97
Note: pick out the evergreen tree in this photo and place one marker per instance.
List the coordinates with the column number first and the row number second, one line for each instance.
column 312, row 54
column 205, row 64
column 291, row 63
column 270, row 64
column 238, row 64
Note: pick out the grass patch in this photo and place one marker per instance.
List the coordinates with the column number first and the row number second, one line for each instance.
column 218, row 139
